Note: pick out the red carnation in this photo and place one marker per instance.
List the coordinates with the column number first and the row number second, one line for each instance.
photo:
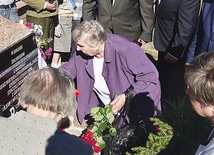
column 92, row 142
column 89, row 134
column 96, row 149
column 85, row 139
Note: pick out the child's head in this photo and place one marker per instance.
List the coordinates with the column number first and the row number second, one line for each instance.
column 199, row 78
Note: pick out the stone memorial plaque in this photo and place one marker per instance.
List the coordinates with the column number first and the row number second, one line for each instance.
column 18, row 57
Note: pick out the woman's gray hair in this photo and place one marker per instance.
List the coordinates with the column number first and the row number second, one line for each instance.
column 49, row 89
column 200, row 76
column 91, row 31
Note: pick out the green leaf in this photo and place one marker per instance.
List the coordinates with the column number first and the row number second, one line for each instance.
column 104, row 125
column 102, row 146
column 100, row 141
column 94, row 110
column 98, row 117
column 94, row 129
column 102, row 110
column 110, row 117
column 108, row 108
column 113, row 131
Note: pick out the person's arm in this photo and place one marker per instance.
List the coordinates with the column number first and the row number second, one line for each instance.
column 145, row 75
column 144, row 71
column 70, row 67
column 147, row 20
column 88, row 9
column 186, row 23
column 192, row 47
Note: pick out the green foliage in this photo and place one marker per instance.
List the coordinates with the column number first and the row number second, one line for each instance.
column 43, row 43
column 189, row 128
column 181, row 131
column 156, row 142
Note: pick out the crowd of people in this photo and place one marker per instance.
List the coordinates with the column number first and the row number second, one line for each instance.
column 105, row 39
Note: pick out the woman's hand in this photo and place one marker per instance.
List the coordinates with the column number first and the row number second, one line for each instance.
column 118, row 103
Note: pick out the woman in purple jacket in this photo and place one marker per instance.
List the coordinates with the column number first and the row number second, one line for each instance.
column 105, row 64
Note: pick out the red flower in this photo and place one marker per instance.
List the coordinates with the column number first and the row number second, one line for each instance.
column 29, row 25
column 89, row 134
column 96, row 149
column 76, row 92
column 92, row 141
column 157, row 129
column 85, row 139
column 88, row 138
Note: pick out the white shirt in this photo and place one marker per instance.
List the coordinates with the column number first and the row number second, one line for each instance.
column 100, row 86
column 6, row 2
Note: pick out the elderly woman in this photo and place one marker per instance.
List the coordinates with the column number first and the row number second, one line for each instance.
column 48, row 96
column 108, row 64
column 200, row 80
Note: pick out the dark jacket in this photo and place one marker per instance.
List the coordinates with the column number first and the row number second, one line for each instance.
column 62, row 143
column 175, row 23
column 132, row 19
column 203, row 39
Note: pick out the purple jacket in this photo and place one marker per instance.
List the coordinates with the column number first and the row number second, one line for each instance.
column 125, row 64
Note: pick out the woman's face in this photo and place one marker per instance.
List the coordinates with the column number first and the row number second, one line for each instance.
column 198, row 106
column 86, row 49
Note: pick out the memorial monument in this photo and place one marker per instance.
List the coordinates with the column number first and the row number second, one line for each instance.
column 18, row 57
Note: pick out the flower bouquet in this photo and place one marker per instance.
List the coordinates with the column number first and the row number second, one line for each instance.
column 101, row 128
column 42, row 44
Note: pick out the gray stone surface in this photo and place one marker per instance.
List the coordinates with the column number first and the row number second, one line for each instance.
column 11, row 33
